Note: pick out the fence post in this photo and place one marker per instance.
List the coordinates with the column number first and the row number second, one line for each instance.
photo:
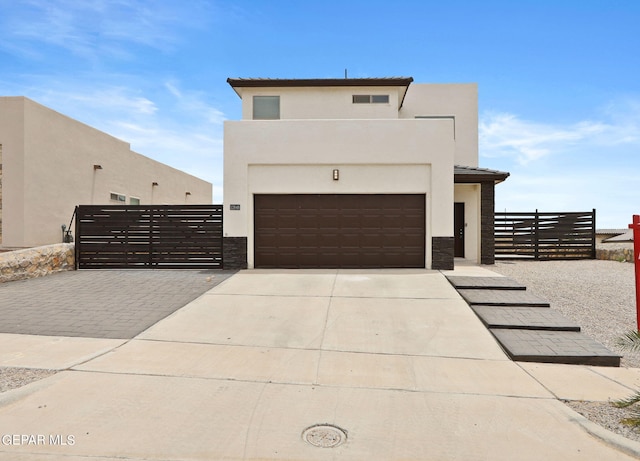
column 76, row 248
column 536, row 224
column 593, row 235
column 636, row 259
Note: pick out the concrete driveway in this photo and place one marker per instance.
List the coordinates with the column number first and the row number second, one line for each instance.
column 396, row 359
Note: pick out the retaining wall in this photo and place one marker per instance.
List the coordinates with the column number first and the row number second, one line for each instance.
column 36, row 262
column 615, row 251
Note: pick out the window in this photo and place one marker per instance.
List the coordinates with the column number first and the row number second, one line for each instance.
column 134, row 201
column 118, row 198
column 371, row 99
column 361, row 99
column 380, row 99
column 266, row 107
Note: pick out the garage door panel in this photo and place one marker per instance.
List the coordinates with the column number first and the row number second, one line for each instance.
column 413, row 226
column 370, row 222
column 373, row 240
column 287, row 222
column 328, row 240
column 308, row 240
column 308, row 222
column 333, row 230
column 391, row 259
column 350, row 221
column 349, row 241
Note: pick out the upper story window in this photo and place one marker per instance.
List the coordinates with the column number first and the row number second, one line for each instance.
column 371, row 99
column 120, row 198
column 266, row 107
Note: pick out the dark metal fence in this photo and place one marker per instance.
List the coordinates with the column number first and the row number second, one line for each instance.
column 545, row 235
column 149, row 236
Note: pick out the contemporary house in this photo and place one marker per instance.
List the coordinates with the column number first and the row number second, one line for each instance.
column 49, row 163
column 362, row 173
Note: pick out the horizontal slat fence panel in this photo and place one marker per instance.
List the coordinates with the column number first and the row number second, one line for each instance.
column 542, row 236
column 149, row 236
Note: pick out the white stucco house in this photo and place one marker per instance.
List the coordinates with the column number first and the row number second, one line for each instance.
column 363, row 173
column 49, row 163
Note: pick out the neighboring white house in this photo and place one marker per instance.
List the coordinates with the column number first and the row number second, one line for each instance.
column 356, row 173
column 49, row 163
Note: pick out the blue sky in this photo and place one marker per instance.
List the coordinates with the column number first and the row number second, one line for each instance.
column 559, row 81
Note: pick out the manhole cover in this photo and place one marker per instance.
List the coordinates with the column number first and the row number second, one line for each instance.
column 324, row 435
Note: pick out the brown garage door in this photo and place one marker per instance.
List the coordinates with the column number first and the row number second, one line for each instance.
column 346, row 230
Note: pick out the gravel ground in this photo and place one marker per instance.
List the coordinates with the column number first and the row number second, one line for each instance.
column 600, row 297
column 12, row 378
column 607, row 416
column 597, row 295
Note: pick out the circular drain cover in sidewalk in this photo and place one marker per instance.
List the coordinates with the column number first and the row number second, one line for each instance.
column 324, row 435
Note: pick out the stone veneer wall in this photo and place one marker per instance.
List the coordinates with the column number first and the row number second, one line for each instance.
column 36, row 262
column 442, row 253
column 615, row 251
column 487, row 223
column 234, row 253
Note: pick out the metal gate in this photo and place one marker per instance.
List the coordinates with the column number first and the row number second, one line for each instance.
column 545, row 235
column 149, row 236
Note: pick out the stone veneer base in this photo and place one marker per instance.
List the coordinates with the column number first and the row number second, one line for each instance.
column 36, row 262
column 234, row 253
column 442, row 253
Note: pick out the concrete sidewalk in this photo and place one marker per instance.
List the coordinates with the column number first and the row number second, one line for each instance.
column 395, row 358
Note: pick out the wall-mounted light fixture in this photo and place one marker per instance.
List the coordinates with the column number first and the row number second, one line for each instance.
column 154, row 184
column 336, row 175
column 187, row 193
column 97, row 167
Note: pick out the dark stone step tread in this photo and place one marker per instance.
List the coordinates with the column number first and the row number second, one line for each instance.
column 527, row 318
column 566, row 347
column 484, row 283
column 502, row 298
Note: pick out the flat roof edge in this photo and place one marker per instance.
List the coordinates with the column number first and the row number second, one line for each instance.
column 317, row 82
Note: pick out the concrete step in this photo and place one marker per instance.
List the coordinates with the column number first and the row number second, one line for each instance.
column 502, row 298
column 524, row 318
column 568, row 347
column 526, row 327
column 484, row 283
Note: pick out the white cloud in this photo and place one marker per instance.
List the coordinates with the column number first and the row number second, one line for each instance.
column 194, row 102
column 567, row 167
column 506, row 135
column 614, row 194
column 109, row 99
column 90, row 28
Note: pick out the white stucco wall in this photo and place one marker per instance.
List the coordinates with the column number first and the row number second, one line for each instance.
column 49, row 159
column 373, row 156
column 12, row 140
column 459, row 100
column 325, row 102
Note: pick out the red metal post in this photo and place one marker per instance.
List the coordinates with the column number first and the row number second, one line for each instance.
column 636, row 258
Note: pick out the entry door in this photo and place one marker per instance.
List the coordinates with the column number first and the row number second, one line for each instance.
column 458, row 229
